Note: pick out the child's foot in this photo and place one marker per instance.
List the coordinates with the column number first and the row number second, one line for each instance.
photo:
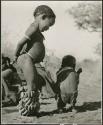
column 74, row 110
column 60, row 110
column 69, row 108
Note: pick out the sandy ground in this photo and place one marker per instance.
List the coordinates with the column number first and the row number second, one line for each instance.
column 88, row 106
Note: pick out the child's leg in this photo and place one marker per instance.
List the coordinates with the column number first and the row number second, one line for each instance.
column 60, row 103
column 29, row 105
column 73, row 100
column 30, row 73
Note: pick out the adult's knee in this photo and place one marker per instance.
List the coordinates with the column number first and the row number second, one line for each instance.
column 7, row 73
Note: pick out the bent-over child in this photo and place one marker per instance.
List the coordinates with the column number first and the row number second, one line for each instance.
column 33, row 53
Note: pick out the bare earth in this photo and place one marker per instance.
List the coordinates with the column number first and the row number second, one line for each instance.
column 88, row 105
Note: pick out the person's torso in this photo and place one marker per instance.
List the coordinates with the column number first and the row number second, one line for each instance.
column 66, row 82
column 35, row 47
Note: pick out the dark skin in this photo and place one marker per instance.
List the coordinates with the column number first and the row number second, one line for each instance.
column 73, row 78
column 20, row 45
column 35, row 48
column 7, row 72
column 42, row 23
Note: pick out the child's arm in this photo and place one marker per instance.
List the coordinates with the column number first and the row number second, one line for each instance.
column 20, row 45
column 79, row 70
column 28, row 36
column 78, row 73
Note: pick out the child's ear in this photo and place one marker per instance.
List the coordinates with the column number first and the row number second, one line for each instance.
column 43, row 17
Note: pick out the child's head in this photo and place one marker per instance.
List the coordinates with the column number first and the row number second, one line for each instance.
column 68, row 60
column 45, row 17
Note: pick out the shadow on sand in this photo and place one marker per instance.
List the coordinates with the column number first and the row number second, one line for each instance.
column 9, row 110
column 87, row 106
column 45, row 103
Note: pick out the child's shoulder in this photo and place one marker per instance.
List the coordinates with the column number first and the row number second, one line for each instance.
column 31, row 29
column 33, row 25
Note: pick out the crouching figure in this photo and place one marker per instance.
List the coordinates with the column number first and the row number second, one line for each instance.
column 66, row 86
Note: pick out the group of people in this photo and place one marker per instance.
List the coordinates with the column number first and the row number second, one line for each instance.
column 31, row 50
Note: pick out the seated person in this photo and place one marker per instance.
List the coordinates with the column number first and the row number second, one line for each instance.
column 66, row 86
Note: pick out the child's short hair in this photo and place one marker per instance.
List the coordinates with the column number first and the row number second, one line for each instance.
column 68, row 60
column 44, row 9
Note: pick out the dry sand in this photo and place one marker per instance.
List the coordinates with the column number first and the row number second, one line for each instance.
column 88, row 105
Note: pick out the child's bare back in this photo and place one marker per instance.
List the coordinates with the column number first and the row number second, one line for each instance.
column 67, row 83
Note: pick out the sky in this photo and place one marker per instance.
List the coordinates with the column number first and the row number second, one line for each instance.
column 63, row 38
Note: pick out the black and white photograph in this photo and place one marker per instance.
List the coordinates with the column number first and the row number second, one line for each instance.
column 51, row 62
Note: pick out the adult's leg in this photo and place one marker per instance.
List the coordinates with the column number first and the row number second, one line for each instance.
column 5, row 76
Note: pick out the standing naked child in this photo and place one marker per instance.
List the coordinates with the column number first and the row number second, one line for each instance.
column 34, row 53
column 67, row 83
